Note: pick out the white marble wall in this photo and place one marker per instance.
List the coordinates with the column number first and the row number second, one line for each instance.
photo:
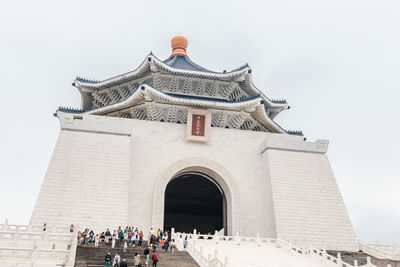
column 86, row 181
column 133, row 160
column 309, row 209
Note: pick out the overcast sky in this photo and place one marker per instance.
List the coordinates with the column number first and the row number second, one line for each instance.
column 336, row 62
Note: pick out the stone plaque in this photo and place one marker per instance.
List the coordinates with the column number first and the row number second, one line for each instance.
column 198, row 124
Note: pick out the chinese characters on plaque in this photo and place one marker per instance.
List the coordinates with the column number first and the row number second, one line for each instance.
column 198, row 125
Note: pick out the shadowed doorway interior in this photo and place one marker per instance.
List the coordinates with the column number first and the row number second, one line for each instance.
column 194, row 201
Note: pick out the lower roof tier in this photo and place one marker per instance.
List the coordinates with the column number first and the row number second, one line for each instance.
column 148, row 103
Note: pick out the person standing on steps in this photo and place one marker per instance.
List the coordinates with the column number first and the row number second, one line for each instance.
column 96, row 240
column 123, row 263
column 130, row 237
column 121, row 236
column 108, row 259
column 173, row 246
column 154, row 258
column 116, row 260
column 147, row 254
column 113, row 241
column 134, row 240
column 185, row 243
column 136, row 260
column 125, row 246
column 140, row 239
column 163, row 244
column 166, row 245
column 107, row 235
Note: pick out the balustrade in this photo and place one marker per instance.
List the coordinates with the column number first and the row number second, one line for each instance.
column 30, row 244
column 236, row 240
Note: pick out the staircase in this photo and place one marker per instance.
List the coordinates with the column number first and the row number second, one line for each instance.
column 90, row 256
column 361, row 258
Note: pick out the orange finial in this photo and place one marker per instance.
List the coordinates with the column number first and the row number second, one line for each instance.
column 179, row 44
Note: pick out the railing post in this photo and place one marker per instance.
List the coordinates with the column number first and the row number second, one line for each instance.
column 226, row 262
column 237, row 239
column 324, row 254
column 34, row 255
column 16, row 234
column 355, row 263
column 258, row 239
column 45, row 236
column 339, row 260
column 6, row 225
column 216, row 237
column 368, row 261
column 173, row 233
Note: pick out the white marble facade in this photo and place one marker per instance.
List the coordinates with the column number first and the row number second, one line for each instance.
column 108, row 171
column 114, row 157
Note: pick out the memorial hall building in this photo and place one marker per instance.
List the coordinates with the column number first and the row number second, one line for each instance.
column 173, row 144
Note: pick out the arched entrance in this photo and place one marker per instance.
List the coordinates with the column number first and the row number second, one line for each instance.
column 194, row 200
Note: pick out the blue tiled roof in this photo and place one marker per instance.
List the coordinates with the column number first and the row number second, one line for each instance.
column 70, row 110
column 211, row 98
column 294, row 132
column 76, row 110
column 86, row 80
column 184, row 63
column 278, row 101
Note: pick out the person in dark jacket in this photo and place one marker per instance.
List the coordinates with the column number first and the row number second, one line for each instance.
column 154, row 258
column 166, row 245
column 123, row 263
column 108, row 259
column 147, row 254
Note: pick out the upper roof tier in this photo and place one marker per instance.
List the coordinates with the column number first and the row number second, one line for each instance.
column 184, row 63
column 179, row 76
column 178, row 65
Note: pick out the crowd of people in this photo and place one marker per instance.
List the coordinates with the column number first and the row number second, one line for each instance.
column 130, row 236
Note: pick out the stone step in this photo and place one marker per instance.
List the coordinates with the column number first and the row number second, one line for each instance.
column 361, row 258
column 89, row 255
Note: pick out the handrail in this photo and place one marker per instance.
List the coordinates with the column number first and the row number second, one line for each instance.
column 203, row 261
column 391, row 252
column 25, row 243
column 70, row 261
column 198, row 254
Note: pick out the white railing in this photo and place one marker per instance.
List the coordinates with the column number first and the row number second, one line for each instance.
column 30, row 244
column 338, row 260
column 391, row 252
column 198, row 254
column 72, row 252
column 214, row 260
column 19, row 228
column 226, row 239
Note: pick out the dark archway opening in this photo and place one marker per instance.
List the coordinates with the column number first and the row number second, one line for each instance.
column 194, row 201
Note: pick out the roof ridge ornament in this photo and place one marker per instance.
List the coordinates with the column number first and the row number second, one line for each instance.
column 179, row 44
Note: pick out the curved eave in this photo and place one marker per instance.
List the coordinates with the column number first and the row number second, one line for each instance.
column 152, row 64
column 255, row 106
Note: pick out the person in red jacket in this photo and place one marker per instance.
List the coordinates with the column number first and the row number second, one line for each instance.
column 154, row 258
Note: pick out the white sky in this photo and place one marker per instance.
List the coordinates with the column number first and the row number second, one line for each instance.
column 336, row 62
